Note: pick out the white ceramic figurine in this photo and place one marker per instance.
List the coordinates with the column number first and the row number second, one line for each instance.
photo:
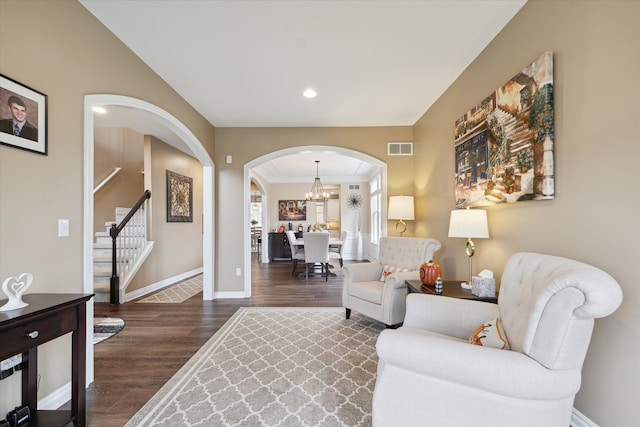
column 14, row 287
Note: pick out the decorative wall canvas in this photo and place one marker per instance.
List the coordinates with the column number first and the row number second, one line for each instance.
column 504, row 144
column 292, row 210
column 179, row 198
column 23, row 116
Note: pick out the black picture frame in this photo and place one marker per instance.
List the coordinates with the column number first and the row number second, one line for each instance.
column 179, row 197
column 16, row 99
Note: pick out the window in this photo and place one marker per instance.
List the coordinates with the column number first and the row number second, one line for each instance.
column 320, row 213
column 375, row 186
column 256, row 214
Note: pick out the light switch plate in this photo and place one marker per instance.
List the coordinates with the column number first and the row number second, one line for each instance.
column 63, row 228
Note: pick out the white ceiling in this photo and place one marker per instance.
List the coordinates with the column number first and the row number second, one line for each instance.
column 245, row 63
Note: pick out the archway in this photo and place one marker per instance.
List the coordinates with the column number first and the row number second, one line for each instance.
column 292, row 150
column 190, row 140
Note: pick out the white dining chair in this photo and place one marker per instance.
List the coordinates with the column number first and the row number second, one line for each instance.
column 297, row 250
column 316, row 251
column 337, row 251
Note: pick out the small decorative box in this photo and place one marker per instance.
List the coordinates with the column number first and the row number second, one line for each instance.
column 483, row 286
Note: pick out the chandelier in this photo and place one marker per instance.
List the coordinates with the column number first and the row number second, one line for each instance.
column 317, row 192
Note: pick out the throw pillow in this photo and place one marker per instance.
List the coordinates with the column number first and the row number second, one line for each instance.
column 490, row 334
column 389, row 270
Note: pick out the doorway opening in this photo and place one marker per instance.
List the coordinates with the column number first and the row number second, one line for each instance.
column 267, row 220
column 162, row 118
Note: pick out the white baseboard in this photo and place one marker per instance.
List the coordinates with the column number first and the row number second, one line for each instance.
column 578, row 419
column 138, row 293
column 56, row 399
column 229, row 295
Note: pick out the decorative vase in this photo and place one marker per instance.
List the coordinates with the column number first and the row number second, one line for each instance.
column 429, row 272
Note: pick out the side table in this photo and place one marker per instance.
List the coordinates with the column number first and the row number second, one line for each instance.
column 450, row 288
column 48, row 316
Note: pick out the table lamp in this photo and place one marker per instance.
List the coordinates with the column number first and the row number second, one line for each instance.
column 401, row 208
column 468, row 223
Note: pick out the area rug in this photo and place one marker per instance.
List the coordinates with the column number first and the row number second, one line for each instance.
column 106, row 327
column 177, row 293
column 274, row 367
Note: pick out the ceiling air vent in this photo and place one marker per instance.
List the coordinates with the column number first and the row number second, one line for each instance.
column 354, row 187
column 400, row 148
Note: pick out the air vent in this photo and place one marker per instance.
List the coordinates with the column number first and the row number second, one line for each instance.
column 400, row 148
column 354, row 187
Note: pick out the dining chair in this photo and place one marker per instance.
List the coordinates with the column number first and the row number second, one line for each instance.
column 316, row 251
column 297, row 250
column 337, row 251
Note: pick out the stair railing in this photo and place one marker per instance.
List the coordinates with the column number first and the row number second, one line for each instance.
column 107, row 179
column 128, row 240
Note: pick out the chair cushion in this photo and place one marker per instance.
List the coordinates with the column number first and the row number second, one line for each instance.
column 367, row 291
column 490, row 334
column 388, row 270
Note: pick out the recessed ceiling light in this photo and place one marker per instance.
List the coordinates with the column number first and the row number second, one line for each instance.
column 309, row 93
column 98, row 109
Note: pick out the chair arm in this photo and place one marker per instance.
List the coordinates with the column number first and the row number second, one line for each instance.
column 448, row 316
column 363, row 272
column 503, row 372
column 398, row 280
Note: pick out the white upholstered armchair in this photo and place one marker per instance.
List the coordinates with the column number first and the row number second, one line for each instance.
column 384, row 300
column 429, row 374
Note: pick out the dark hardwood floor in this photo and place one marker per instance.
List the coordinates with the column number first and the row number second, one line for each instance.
column 159, row 338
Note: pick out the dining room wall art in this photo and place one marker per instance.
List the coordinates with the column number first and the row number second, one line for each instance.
column 292, row 210
column 179, row 197
column 504, row 145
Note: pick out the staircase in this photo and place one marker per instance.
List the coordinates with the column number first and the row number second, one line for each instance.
column 515, row 129
column 132, row 248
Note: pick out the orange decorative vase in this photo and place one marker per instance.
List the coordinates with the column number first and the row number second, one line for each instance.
column 429, row 272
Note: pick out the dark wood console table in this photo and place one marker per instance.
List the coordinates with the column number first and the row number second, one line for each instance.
column 450, row 288
column 48, row 316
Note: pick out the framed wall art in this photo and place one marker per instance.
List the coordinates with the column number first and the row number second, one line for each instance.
column 179, row 198
column 292, row 210
column 23, row 116
column 504, row 144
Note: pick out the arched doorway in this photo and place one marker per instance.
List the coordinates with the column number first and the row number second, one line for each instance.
column 288, row 151
column 198, row 151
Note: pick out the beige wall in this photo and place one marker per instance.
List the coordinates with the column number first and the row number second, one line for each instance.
column 177, row 245
column 247, row 144
column 113, row 148
column 67, row 54
column 594, row 217
column 62, row 51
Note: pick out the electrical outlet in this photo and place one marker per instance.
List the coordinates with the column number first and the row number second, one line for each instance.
column 238, row 271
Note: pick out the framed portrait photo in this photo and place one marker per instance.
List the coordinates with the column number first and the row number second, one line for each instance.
column 179, row 198
column 23, row 116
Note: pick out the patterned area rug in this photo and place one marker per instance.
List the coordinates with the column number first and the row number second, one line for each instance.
column 177, row 293
column 274, row 367
column 106, row 327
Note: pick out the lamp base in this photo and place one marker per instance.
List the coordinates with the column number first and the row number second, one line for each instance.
column 401, row 227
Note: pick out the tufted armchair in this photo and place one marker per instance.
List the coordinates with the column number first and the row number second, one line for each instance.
column 547, row 306
column 384, row 300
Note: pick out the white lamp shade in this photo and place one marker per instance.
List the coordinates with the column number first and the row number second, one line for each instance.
column 468, row 223
column 401, row 207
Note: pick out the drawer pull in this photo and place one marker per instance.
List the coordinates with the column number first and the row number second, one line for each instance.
column 33, row 334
